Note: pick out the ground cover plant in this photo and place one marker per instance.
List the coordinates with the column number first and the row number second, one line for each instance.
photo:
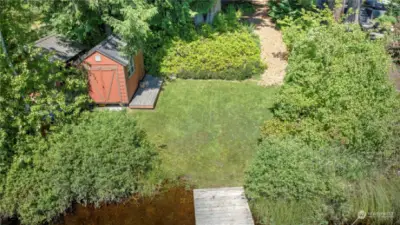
column 207, row 130
column 339, row 112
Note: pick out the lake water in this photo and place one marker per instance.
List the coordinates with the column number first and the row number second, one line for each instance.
column 172, row 207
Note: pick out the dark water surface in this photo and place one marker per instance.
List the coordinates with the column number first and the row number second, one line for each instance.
column 172, row 207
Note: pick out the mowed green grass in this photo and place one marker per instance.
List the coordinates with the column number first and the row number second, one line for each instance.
column 207, row 131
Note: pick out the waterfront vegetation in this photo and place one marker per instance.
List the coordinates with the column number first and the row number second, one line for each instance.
column 317, row 149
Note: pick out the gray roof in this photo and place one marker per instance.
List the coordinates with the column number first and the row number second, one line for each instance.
column 110, row 47
column 62, row 48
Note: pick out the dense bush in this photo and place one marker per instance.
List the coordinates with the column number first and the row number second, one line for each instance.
column 173, row 20
column 393, row 8
column 286, row 172
column 295, row 29
column 279, row 9
column 242, row 6
column 229, row 21
column 230, row 56
column 173, row 28
column 106, row 155
column 337, row 83
column 102, row 159
column 32, row 105
column 339, row 105
column 287, row 169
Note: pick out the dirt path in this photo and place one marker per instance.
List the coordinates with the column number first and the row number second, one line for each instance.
column 273, row 50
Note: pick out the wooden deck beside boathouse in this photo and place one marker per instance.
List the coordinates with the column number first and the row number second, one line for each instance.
column 221, row 206
column 147, row 94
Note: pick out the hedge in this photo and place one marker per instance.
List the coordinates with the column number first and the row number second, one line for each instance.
column 229, row 56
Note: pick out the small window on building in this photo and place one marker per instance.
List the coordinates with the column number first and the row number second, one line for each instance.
column 205, row 18
column 97, row 58
column 131, row 66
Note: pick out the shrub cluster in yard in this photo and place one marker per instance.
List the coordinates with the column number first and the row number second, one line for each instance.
column 102, row 159
column 305, row 171
column 339, row 106
column 229, row 56
column 227, row 49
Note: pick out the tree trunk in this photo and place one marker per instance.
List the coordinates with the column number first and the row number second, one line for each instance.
column 338, row 9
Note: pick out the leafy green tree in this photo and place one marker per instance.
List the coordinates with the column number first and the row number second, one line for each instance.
column 173, row 20
column 78, row 20
column 41, row 103
column 89, row 21
column 133, row 26
column 16, row 23
column 33, row 105
column 394, row 8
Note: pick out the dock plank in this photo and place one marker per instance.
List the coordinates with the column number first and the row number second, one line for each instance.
column 222, row 206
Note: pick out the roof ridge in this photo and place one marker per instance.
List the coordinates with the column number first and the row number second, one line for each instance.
column 115, row 53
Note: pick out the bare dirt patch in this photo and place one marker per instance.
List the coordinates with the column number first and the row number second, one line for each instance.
column 273, row 50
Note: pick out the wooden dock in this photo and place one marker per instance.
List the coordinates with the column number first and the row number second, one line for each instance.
column 221, row 206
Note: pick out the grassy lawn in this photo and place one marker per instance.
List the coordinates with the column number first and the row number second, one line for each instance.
column 207, row 130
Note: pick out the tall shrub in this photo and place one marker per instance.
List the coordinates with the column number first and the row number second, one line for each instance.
column 337, row 81
column 33, row 105
column 230, row 56
column 287, row 169
column 173, row 20
column 279, row 9
column 288, row 182
column 105, row 158
column 339, row 106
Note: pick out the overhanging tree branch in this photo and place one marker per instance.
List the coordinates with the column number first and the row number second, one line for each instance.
column 3, row 46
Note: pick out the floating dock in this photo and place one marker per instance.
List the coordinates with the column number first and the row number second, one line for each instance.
column 221, row 206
